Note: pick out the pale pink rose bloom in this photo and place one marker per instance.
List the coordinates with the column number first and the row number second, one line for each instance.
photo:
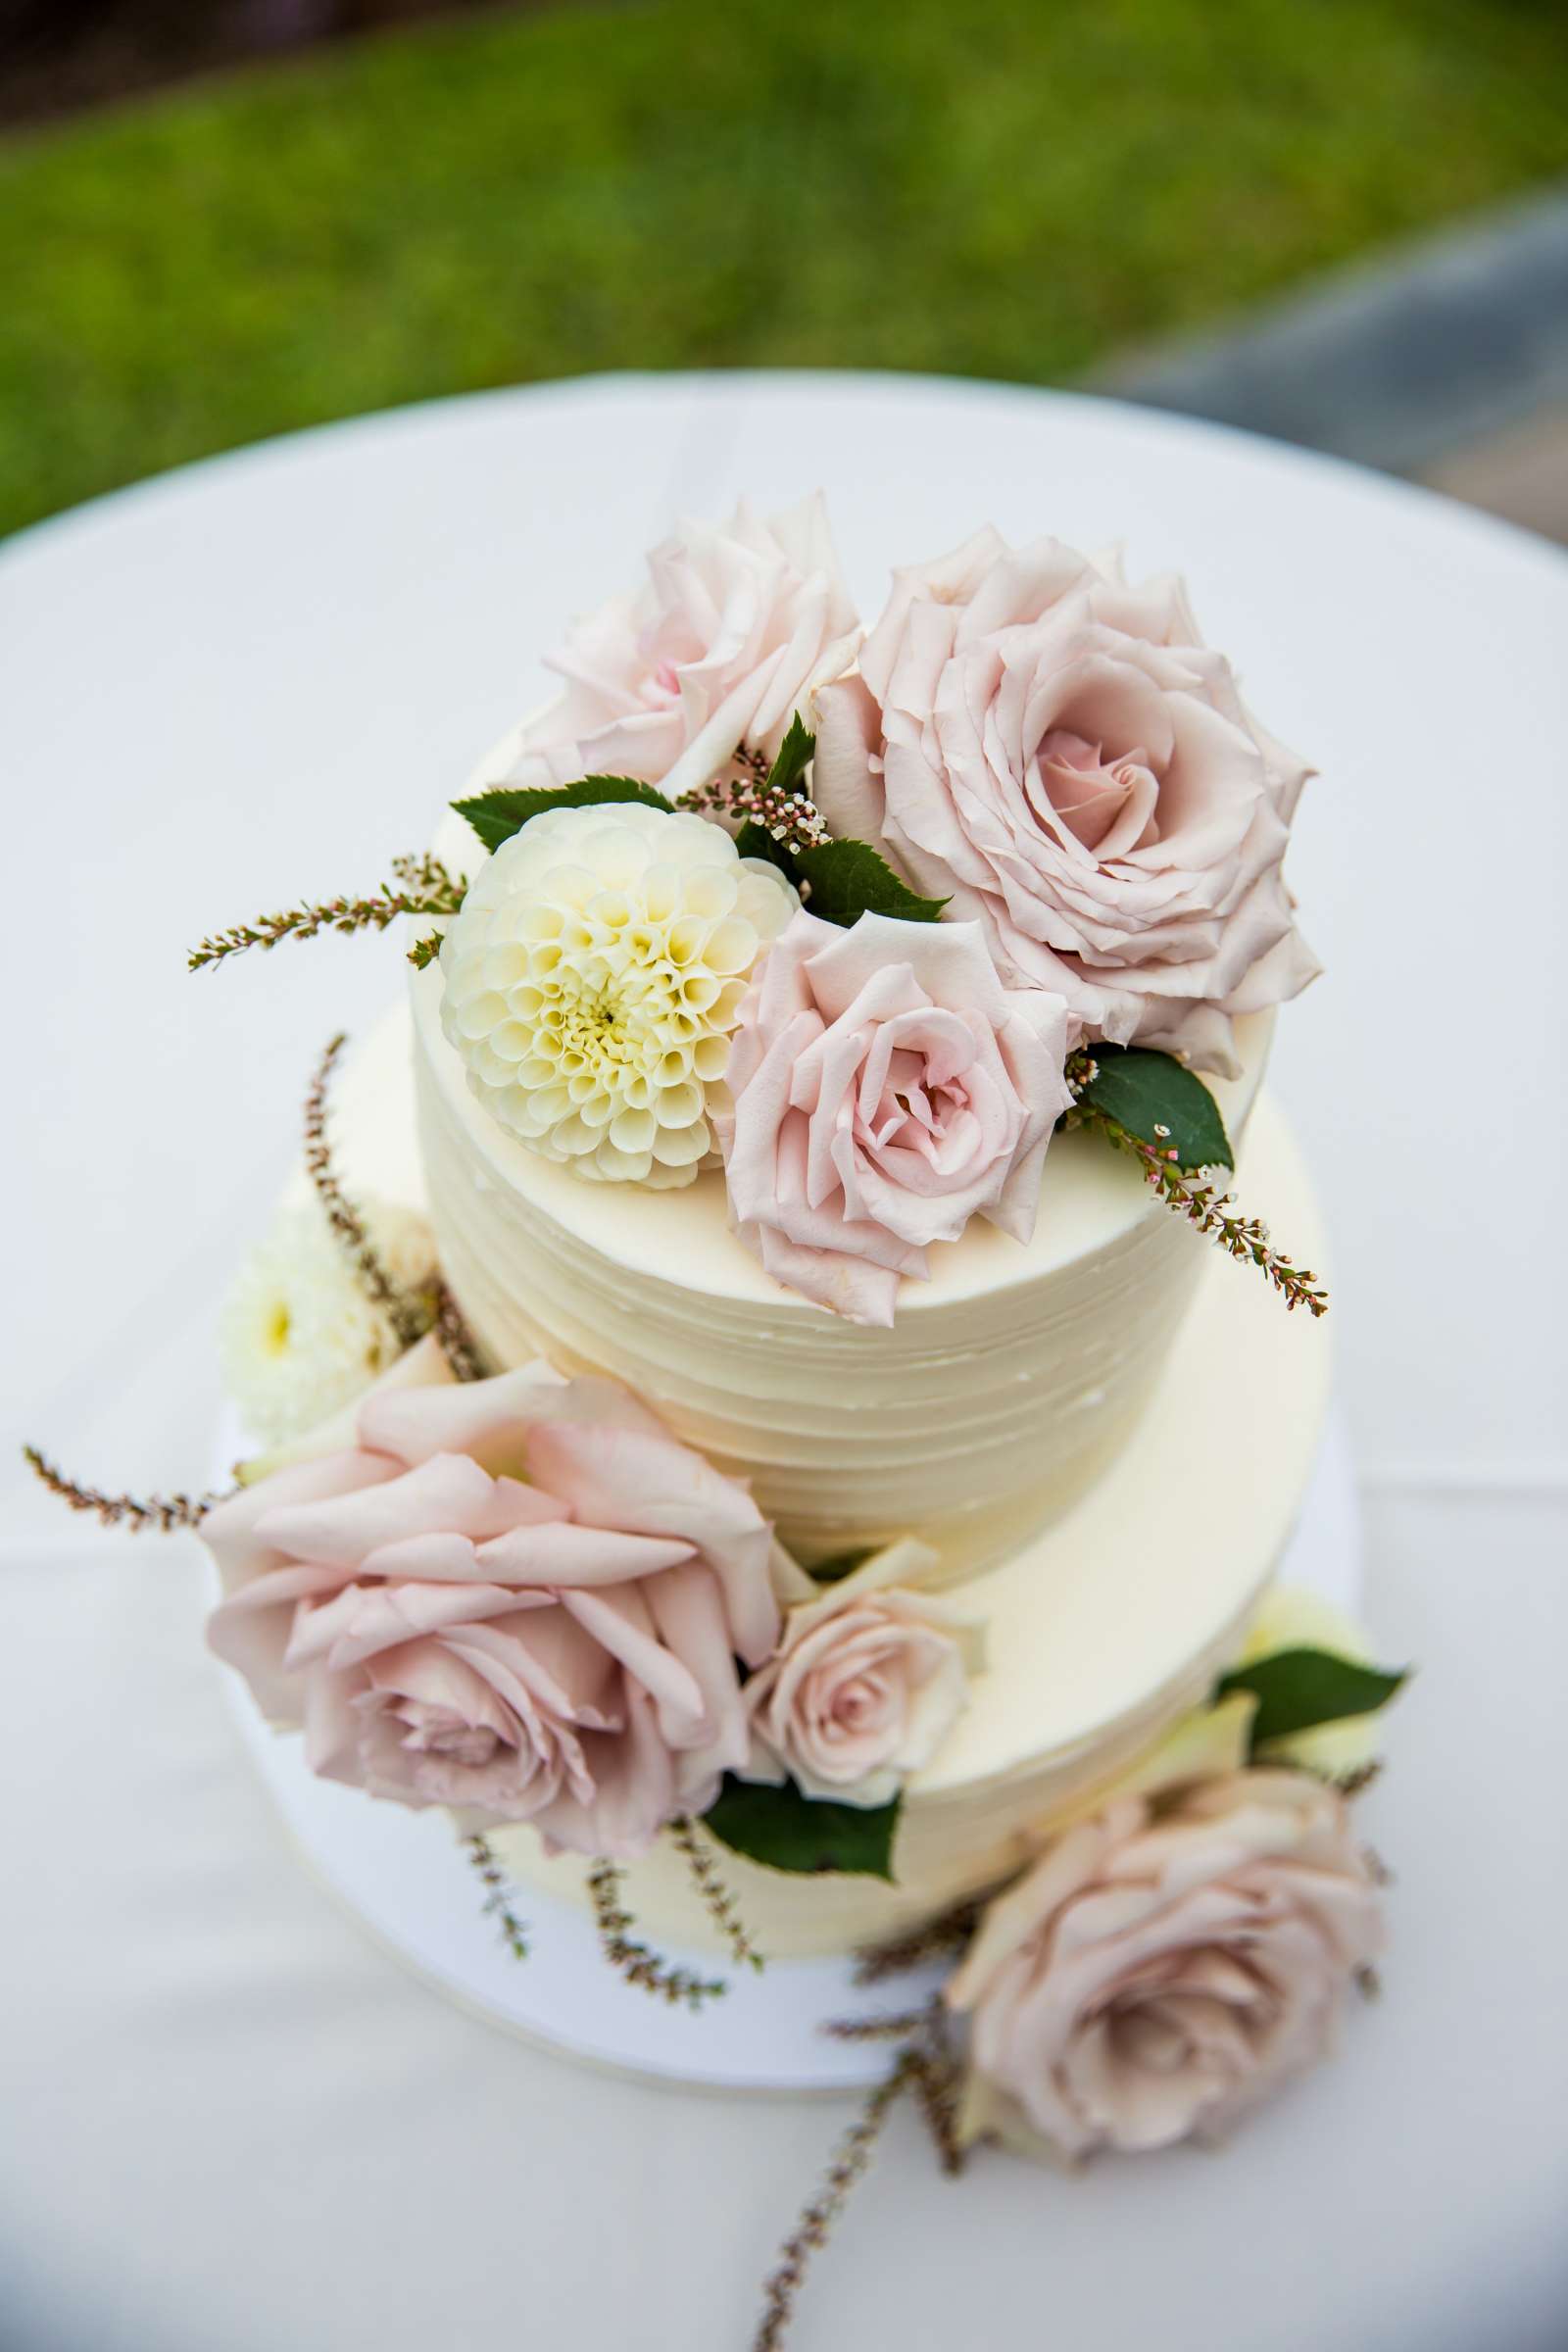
column 519, row 1598
column 1158, row 1971
column 722, row 645
column 885, row 1088
column 869, row 1678
column 1055, row 752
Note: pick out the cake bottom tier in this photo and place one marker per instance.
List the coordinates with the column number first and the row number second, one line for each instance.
column 1100, row 1632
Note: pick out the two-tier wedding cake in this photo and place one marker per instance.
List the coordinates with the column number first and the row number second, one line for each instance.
column 757, row 1427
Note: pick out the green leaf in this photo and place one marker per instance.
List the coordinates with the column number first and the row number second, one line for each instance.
column 842, row 1564
column 496, row 815
column 787, row 1831
column 838, row 880
column 1299, row 1688
column 756, row 840
column 847, row 879
column 793, row 756
column 1145, row 1092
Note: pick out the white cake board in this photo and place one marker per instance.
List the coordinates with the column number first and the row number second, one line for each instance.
column 406, row 1878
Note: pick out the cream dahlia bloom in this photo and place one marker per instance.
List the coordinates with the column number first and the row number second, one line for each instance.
column 594, row 976
column 298, row 1337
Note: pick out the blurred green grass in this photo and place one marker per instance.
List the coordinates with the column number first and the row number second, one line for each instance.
column 1004, row 188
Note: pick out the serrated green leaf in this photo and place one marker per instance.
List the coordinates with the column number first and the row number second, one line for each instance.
column 498, row 814
column 1145, row 1092
column 756, row 840
column 793, row 756
column 848, row 878
column 803, row 1835
column 1299, row 1688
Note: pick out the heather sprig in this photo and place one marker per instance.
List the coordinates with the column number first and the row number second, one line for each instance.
column 850, row 2160
column 1193, row 1194
column 410, row 1316
column 637, row 1962
column 458, row 1344
column 161, row 1512
column 936, row 1939
column 722, row 1909
column 1215, row 1214
column 497, row 1904
column 421, row 885
column 926, row 2066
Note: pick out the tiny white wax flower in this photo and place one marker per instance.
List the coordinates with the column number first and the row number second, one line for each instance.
column 593, row 978
column 299, row 1339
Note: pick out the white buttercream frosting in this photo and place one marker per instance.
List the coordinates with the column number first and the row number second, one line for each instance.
column 980, row 1421
column 1099, row 1630
column 1008, row 1383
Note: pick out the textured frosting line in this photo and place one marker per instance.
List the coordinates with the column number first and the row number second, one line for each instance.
column 1003, row 1389
column 1100, row 1632
column 1100, row 1629
column 952, row 1844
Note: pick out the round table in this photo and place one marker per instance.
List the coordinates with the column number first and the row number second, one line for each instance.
column 232, row 2120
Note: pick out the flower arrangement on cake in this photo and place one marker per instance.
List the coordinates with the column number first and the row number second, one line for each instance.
column 829, row 1046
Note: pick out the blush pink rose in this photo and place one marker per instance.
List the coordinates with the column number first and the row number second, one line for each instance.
column 735, row 625
column 518, row 1596
column 1158, row 1971
column 885, row 1088
column 869, row 1678
column 1055, row 752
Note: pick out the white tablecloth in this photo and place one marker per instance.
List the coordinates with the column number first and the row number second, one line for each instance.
column 232, row 2121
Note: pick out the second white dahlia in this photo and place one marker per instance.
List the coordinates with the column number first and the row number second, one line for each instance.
column 299, row 1337
column 593, row 978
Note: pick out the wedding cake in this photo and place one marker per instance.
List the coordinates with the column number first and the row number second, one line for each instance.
column 751, row 1420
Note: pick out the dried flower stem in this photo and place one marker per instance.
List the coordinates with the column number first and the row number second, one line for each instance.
column 893, row 2026
column 498, row 1893
column 165, row 1512
column 811, row 2232
column 1378, row 1869
column 408, row 1317
column 935, row 2074
column 1214, row 1214
column 419, row 886
column 927, row 2065
column 458, row 1344
column 938, row 2082
column 789, row 816
column 637, row 1962
column 721, row 1905
column 934, row 1941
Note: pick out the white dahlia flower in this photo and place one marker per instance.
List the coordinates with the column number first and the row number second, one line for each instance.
column 594, row 976
column 298, row 1337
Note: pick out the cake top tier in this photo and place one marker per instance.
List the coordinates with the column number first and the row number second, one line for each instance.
column 866, row 919
column 1090, row 1200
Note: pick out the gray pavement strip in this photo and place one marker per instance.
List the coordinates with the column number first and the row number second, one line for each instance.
column 1397, row 361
